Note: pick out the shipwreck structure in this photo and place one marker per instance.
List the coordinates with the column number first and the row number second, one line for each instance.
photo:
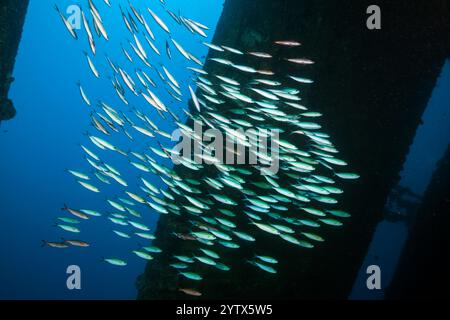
column 372, row 87
column 421, row 273
column 12, row 18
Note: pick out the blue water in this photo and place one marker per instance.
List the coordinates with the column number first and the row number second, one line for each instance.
column 43, row 140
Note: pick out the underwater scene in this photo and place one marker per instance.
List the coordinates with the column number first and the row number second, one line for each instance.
column 224, row 149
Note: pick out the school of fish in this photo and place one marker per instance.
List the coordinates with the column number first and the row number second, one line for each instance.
column 295, row 206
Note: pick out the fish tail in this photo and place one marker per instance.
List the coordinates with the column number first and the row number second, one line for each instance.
column 44, row 243
column 65, row 207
